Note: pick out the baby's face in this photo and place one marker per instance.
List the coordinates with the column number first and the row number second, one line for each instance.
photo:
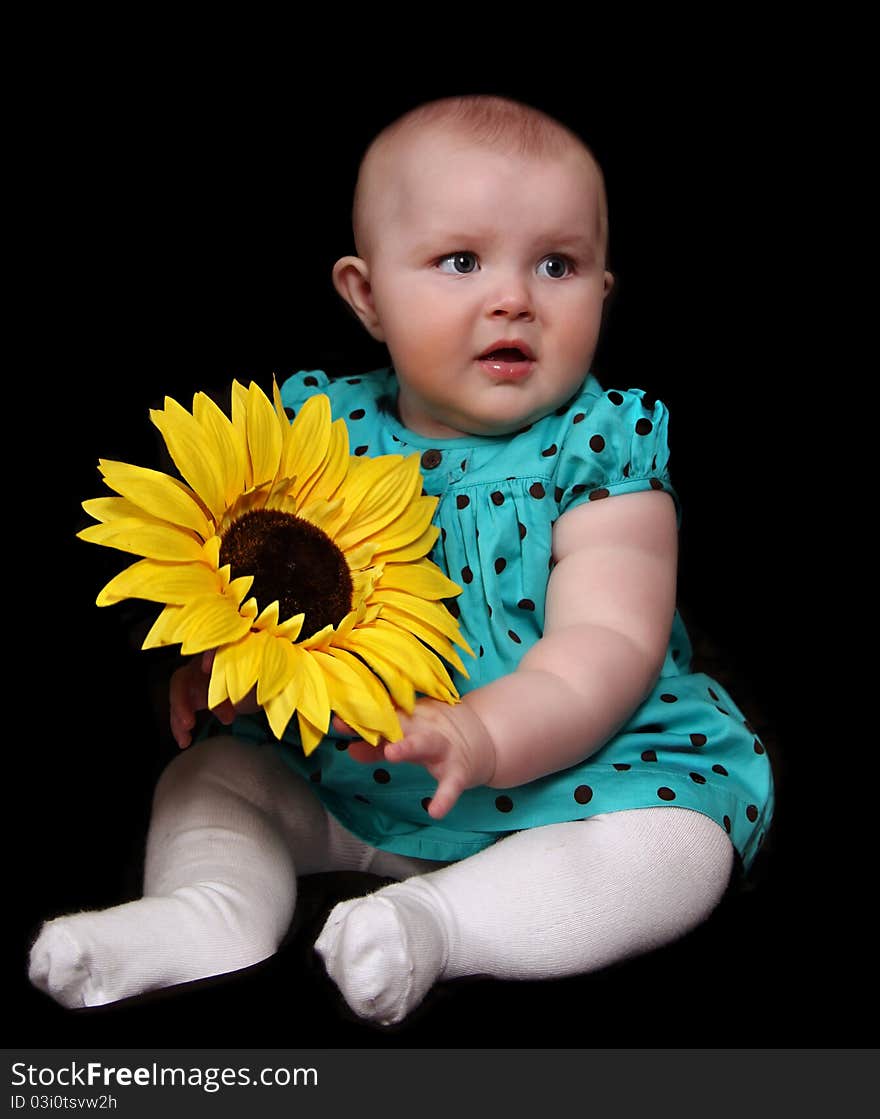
column 475, row 251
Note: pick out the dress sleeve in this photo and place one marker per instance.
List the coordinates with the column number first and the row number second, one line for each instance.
column 617, row 446
column 300, row 386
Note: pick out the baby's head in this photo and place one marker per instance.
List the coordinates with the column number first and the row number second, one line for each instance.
column 481, row 227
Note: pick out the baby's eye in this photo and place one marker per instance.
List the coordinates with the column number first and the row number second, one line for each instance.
column 557, row 266
column 458, row 263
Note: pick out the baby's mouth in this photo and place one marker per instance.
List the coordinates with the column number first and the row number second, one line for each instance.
column 507, row 364
column 507, row 355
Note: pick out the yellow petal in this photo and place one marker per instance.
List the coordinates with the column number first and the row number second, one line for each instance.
column 314, row 702
column 268, row 618
column 291, row 627
column 434, row 614
column 327, row 479
column 412, row 526
column 241, row 662
column 376, row 494
column 111, row 508
column 320, row 638
column 146, row 537
column 278, row 496
column 306, row 442
column 319, row 513
column 264, row 436
column 360, row 557
column 278, row 667
column 208, row 622
column 218, row 692
column 417, row 548
column 385, row 647
column 384, row 662
column 193, row 456
column 164, row 629
column 362, row 584
column 310, row 735
column 432, row 637
column 229, row 453
column 211, row 552
column 238, row 588
column 157, row 494
column 423, row 579
column 155, row 581
column 280, row 708
column 357, row 696
column 278, row 403
column 239, row 408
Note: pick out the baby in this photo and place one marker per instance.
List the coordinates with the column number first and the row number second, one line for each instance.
column 587, row 798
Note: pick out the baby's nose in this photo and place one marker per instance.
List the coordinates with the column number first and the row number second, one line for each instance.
column 512, row 299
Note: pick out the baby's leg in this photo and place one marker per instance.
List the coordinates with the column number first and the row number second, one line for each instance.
column 553, row 901
column 229, row 823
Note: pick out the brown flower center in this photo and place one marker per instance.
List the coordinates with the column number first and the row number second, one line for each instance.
column 292, row 562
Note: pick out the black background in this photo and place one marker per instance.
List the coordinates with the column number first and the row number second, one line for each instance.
column 179, row 230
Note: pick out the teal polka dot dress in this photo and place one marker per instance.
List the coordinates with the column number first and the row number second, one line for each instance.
column 688, row 745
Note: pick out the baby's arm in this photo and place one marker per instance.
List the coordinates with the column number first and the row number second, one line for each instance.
column 609, row 610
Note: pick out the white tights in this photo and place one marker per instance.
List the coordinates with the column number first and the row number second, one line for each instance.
column 233, row 826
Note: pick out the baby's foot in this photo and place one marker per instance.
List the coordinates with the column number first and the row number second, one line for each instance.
column 384, row 952
column 90, row 959
column 61, row 967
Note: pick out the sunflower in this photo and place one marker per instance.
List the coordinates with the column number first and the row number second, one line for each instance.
column 303, row 566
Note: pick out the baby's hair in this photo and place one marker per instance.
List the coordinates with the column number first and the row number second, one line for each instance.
column 498, row 122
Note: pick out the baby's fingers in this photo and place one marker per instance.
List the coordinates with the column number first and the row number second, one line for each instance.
column 182, row 724
column 363, row 752
column 441, row 762
column 452, row 784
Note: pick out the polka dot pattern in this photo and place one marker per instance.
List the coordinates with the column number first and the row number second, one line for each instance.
column 687, row 745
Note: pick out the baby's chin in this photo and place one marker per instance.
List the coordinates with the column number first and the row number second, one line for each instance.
column 497, row 418
column 502, row 423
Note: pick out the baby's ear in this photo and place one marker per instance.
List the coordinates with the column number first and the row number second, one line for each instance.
column 351, row 278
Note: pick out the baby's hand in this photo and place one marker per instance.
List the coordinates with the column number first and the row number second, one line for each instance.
column 449, row 741
column 189, row 696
